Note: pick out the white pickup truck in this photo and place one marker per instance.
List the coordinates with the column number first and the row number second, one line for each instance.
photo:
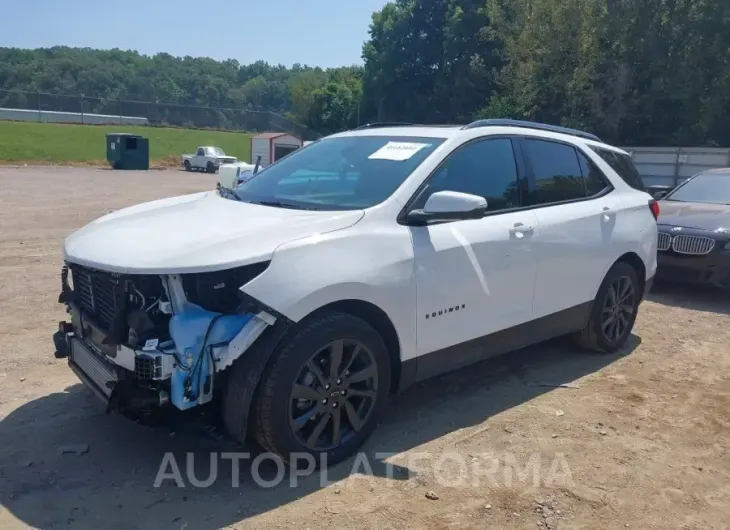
column 207, row 158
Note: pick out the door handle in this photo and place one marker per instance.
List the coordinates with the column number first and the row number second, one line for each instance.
column 608, row 213
column 520, row 228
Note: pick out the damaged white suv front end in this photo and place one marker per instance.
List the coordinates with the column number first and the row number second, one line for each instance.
column 139, row 342
column 157, row 314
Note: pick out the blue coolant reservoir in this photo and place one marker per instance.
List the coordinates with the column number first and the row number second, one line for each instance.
column 188, row 330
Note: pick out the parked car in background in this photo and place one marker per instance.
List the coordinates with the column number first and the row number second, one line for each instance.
column 230, row 175
column 694, row 230
column 302, row 301
column 207, row 158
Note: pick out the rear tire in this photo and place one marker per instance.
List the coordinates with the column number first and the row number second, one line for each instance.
column 324, row 390
column 613, row 312
column 187, row 165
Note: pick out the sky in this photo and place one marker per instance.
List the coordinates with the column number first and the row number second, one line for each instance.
column 322, row 33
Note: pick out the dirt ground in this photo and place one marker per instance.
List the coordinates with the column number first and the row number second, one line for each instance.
column 640, row 439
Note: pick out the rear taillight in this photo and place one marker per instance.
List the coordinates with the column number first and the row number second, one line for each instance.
column 654, row 207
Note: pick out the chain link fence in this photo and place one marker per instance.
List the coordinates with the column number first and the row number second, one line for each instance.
column 156, row 113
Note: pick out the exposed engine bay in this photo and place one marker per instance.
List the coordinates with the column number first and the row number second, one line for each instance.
column 146, row 340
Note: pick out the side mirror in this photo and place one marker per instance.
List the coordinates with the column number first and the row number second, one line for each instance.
column 659, row 191
column 449, row 206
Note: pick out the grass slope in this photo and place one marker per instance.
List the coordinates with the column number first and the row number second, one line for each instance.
column 53, row 143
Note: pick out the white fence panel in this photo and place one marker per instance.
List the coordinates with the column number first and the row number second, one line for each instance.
column 51, row 116
column 672, row 165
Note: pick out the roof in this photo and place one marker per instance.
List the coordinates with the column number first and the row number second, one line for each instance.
column 450, row 132
column 270, row 135
column 416, row 130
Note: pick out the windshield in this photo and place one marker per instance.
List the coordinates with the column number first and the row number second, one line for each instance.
column 346, row 173
column 217, row 151
column 712, row 188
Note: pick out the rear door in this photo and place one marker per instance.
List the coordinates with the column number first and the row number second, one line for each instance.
column 576, row 210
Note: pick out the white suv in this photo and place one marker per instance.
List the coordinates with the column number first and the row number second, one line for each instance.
column 302, row 300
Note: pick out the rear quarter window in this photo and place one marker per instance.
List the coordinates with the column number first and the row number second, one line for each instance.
column 623, row 165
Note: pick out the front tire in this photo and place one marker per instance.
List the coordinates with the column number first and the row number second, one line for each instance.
column 614, row 311
column 210, row 167
column 324, row 391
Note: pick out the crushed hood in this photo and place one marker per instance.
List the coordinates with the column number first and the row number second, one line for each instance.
column 194, row 233
column 701, row 216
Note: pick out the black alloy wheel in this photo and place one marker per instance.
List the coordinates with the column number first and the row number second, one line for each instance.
column 333, row 395
column 323, row 392
column 619, row 305
column 613, row 311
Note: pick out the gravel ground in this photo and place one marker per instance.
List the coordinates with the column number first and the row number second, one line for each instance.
column 634, row 440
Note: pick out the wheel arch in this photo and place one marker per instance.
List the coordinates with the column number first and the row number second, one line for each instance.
column 380, row 321
column 239, row 420
column 633, row 259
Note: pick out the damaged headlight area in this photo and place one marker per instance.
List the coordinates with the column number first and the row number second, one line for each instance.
column 219, row 291
column 141, row 340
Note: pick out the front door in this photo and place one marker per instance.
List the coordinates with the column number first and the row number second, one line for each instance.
column 475, row 277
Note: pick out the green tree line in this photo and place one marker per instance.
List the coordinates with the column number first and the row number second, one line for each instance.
column 653, row 72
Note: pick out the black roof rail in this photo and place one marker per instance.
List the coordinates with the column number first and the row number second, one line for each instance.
column 531, row 125
column 376, row 125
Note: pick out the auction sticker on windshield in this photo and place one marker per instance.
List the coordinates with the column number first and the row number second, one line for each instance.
column 397, row 151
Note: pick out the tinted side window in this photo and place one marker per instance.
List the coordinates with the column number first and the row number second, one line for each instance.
column 624, row 166
column 557, row 173
column 486, row 168
column 594, row 179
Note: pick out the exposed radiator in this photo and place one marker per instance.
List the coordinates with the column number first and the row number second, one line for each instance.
column 97, row 369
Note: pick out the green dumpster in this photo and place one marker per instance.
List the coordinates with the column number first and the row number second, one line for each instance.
column 127, row 151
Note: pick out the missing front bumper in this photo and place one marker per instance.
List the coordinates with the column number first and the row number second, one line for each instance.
column 108, row 382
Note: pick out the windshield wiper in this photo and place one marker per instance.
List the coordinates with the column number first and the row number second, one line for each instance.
column 278, row 204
